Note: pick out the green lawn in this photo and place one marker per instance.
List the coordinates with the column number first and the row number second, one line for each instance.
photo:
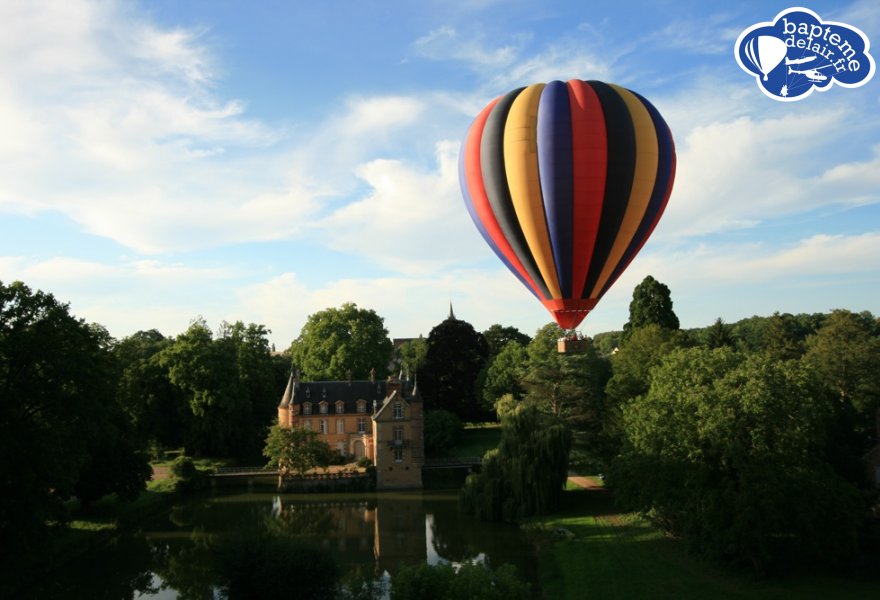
column 475, row 441
column 614, row 555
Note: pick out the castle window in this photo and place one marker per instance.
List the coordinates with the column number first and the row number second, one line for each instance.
column 398, row 410
column 307, row 424
column 398, row 435
column 362, row 406
column 398, row 454
column 307, row 408
column 323, row 408
column 340, row 425
column 340, row 407
column 340, row 447
column 362, row 425
column 324, row 426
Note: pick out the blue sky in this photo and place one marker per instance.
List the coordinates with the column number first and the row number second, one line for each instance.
column 262, row 161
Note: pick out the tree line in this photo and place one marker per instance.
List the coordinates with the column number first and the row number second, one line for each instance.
column 738, row 437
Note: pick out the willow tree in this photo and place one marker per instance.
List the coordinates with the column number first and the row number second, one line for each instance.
column 525, row 475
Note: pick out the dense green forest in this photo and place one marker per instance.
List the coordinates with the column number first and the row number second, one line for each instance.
column 748, row 440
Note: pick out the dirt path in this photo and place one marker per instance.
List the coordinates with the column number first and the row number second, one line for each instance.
column 585, row 482
column 160, row 473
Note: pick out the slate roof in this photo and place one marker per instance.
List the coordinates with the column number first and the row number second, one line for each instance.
column 349, row 392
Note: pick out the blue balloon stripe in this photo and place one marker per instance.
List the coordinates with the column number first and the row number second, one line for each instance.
column 557, row 176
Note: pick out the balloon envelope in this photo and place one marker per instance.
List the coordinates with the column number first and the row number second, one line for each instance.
column 565, row 181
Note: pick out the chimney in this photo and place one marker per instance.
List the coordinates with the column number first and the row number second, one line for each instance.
column 373, row 375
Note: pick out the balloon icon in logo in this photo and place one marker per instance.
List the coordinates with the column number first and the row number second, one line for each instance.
column 565, row 181
column 765, row 52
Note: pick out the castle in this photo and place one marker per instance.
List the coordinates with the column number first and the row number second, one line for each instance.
column 379, row 420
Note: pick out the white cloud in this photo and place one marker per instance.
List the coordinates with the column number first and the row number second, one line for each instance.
column 112, row 121
column 445, row 43
column 411, row 220
column 410, row 305
column 737, row 173
column 563, row 61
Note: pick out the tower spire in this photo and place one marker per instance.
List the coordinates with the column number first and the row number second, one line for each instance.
column 451, row 314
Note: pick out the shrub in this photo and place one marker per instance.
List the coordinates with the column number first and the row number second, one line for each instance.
column 187, row 476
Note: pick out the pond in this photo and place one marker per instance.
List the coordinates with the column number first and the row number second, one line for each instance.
column 371, row 533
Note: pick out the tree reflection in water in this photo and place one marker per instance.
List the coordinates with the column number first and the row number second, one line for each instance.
column 371, row 535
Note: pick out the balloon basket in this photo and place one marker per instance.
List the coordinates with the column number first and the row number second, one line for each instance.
column 572, row 344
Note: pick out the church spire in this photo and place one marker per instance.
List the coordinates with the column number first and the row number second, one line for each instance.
column 451, row 314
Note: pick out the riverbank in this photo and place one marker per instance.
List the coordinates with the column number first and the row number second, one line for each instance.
column 589, row 549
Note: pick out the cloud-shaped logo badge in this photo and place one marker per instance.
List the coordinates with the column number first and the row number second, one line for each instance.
column 798, row 52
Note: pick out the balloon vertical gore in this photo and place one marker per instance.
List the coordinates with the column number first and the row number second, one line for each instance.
column 565, row 181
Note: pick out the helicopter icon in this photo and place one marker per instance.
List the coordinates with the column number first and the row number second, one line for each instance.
column 811, row 74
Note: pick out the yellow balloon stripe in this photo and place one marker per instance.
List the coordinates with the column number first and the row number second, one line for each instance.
column 647, row 157
column 521, row 166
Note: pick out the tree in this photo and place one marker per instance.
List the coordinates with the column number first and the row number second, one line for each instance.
column 456, row 354
column 727, row 451
column 569, row 386
column 504, row 374
column 412, row 355
column 845, row 355
column 719, row 334
column 631, row 365
column 498, row 336
column 525, row 475
column 295, row 450
column 229, row 385
column 442, row 432
column 157, row 408
column 57, row 409
column 651, row 305
column 338, row 343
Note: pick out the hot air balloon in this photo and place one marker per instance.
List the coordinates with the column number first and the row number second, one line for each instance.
column 765, row 52
column 565, row 182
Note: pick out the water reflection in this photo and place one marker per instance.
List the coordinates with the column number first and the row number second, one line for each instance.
column 371, row 534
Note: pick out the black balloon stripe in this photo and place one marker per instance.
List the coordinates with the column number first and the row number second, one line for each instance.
column 619, row 176
column 495, row 182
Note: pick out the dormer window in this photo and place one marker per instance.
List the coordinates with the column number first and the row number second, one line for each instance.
column 323, row 408
column 308, row 393
column 340, row 407
column 362, row 406
column 398, row 410
column 307, row 408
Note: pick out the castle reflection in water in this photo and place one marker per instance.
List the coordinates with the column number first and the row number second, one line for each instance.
column 398, row 529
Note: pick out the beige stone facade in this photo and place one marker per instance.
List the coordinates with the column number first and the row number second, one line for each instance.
column 380, row 420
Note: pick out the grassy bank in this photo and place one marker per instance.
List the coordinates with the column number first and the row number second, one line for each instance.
column 609, row 554
column 475, row 441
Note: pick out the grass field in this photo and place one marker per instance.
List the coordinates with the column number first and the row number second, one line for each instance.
column 475, row 441
column 617, row 555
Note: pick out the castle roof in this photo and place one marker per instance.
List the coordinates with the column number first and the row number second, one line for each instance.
column 331, row 392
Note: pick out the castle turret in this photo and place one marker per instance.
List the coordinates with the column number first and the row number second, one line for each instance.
column 284, row 405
